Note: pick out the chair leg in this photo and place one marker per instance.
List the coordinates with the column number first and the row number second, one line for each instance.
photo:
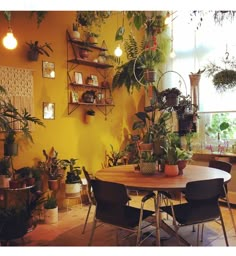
column 230, row 211
column 92, row 232
column 224, row 231
column 86, row 220
column 202, row 232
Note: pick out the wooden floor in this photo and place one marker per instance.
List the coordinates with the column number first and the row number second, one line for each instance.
column 68, row 231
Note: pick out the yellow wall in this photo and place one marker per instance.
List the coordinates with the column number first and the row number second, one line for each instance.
column 70, row 136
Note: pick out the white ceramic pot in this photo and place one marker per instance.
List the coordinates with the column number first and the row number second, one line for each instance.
column 75, row 35
column 72, row 189
column 51, row 215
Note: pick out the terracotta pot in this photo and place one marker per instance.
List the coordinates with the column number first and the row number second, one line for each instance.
column 4, row 181
column 83, row 53
column 29, row 181
column 92, row 39
column 171, row 170
column 181, row 165
column 146, row 146
column 53, row 185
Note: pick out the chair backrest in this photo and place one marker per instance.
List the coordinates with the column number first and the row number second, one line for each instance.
column 109, row 193
column 204, row 190
column 88, row 179
column 224, row 166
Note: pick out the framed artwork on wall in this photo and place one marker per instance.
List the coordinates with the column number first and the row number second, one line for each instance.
column 74, row 97
column 48, row 69
column 78, row 78
column 48, row 110
column 95, row 80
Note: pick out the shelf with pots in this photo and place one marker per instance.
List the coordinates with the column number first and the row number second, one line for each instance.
column 87, row 91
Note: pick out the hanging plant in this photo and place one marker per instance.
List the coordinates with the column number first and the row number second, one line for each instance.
column 223, row 78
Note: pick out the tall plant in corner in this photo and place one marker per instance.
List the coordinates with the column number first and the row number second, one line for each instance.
column 9, row 116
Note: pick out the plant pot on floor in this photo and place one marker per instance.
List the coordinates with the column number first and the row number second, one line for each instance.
column 53, row 185
column 73, row 190
column 51, row 215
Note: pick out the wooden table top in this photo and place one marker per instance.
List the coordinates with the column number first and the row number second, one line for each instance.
column 125, row 174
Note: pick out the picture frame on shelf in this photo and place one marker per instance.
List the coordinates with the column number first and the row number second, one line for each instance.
column 95, row 80
column 74, row 97
column 78, row 78
column 48, row 110
column 48, row 69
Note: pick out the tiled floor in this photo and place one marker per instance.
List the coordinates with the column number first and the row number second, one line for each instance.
column 68, row 231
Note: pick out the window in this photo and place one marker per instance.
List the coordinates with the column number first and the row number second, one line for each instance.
column 194, row 49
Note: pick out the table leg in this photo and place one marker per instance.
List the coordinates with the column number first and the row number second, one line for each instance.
column 157, row 210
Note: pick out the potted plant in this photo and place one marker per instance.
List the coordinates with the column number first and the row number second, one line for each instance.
column 92, row 37
column 9, row 116
column 223, row 77
column 5, row 173
column 54, row 168
column 50, row 209
column 147, row 163
column 183, row 158
column 171, row 156
column 90, row 18
column 89, row 116
column 114, row 157
column 75, row 32
column 171, row 96
column 35, row 49
column 73, row 181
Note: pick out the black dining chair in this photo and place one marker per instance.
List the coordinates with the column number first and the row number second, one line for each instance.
column 227, row 167
column 112, row 208
column 90, row 195
column 201, row 206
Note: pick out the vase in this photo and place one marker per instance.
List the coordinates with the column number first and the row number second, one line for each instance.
column 181, row 165
column 194, row 82
column 171, row 170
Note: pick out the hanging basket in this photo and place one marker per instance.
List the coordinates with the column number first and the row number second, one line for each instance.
column 150, row 75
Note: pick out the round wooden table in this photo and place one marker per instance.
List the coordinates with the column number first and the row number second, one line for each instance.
column 126, row 174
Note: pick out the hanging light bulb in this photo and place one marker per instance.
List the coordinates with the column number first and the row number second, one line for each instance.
column 118, row 51
column 9, row 41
